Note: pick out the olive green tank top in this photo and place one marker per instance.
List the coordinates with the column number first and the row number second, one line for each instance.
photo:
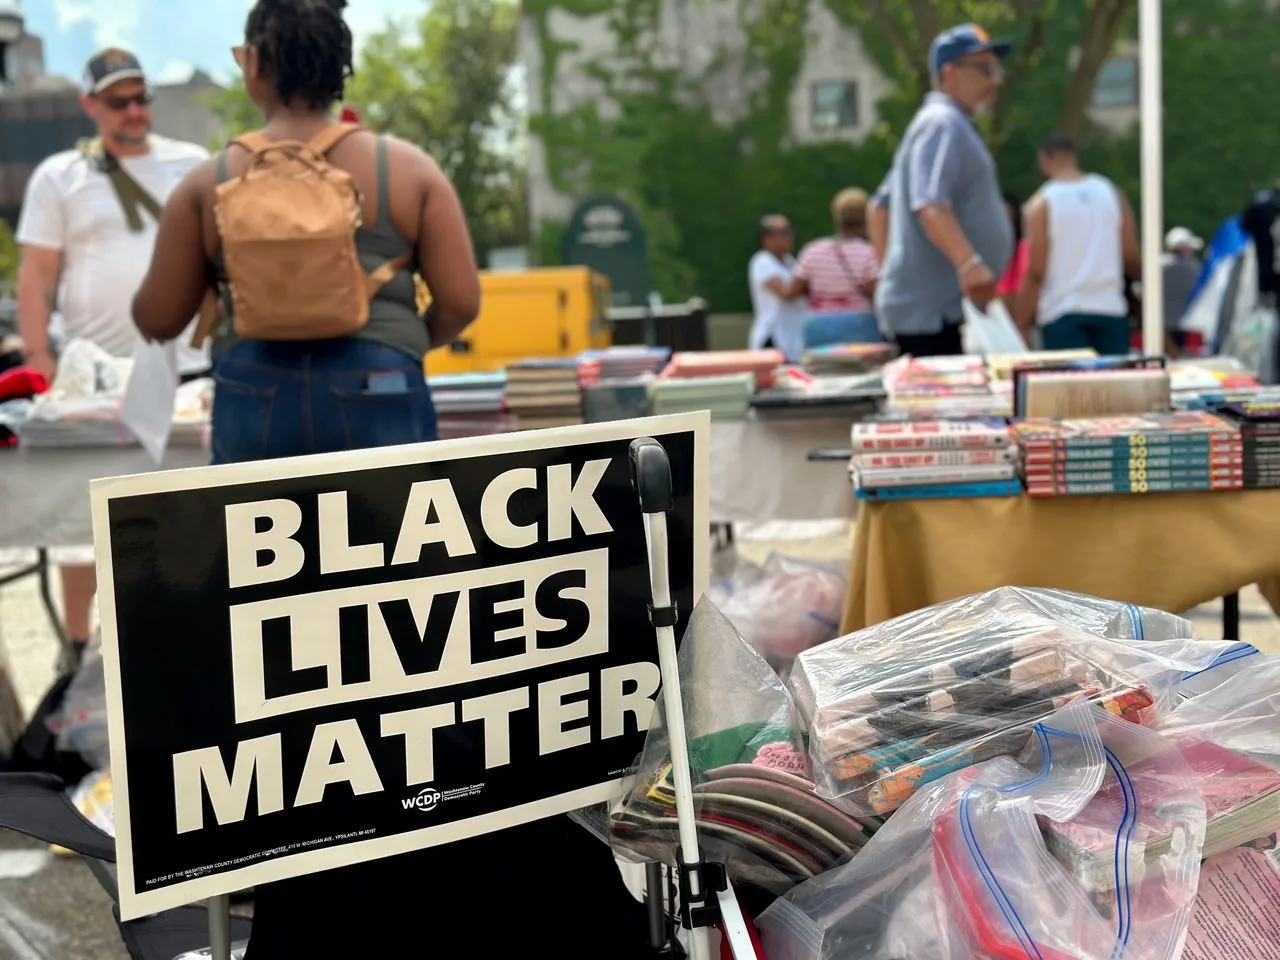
column 393, row 312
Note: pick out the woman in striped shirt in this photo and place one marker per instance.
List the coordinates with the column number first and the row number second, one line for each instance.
column 839, row 275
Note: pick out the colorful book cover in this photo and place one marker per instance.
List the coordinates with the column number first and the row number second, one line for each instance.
column 896, row 435
column 1076, row 469
column 1149, row 458
column 989, row 488
column 1182, row 423
column 914, row 476
column 1041, row 489
column 934, row 458
column 1241, row 797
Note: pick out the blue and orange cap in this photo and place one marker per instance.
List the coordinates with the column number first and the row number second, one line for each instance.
column 962, row 41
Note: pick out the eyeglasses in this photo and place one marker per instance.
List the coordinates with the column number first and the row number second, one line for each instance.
column 120, row 104
column 988, row 68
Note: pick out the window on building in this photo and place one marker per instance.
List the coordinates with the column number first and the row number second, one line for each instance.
column 835, row 106
column 1117, row 83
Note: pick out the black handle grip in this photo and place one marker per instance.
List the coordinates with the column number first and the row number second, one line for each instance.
column 651, row 475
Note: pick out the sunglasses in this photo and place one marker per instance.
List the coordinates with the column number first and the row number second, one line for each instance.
column 985, row 67
column 119, row 104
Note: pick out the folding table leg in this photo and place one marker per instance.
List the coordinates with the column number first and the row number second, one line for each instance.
column 1231, row 616
column 655, row 885
column 220, row 927
column 46, row 595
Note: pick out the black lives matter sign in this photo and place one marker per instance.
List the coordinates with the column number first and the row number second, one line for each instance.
column 324, row 660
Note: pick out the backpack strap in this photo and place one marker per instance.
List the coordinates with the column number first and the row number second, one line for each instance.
column 254, row 141
column 379, row 278
column 330, row 137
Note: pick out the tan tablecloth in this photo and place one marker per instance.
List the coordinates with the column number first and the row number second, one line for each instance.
column 1169, row 550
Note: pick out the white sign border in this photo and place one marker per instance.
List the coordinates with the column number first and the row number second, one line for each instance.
column 135, row 904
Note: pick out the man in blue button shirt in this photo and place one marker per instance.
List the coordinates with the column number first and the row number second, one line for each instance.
column 949, row 235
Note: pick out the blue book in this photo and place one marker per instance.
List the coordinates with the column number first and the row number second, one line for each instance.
column 943, row 491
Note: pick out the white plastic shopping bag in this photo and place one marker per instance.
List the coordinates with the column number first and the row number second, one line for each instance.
column 147, row 412
column 992, row 331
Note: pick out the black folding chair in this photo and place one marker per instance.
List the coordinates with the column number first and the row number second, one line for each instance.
column 36, row 805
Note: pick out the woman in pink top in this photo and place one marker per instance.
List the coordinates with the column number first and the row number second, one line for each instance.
column 839, row 274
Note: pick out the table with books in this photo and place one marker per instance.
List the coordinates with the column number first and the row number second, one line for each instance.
column 1165, row 510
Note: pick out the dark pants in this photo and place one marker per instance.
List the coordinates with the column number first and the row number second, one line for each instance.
column 1108, row 335
column 945, row 343
column 487, row 895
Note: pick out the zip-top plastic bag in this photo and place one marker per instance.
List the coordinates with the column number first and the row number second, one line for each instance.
column 755, row 805
column 1241, row 658
column 962, row 870
column 782, row 607
column 1240, row 713
column 895, row 706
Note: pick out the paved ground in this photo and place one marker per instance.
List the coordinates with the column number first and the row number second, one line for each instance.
column 51, row 908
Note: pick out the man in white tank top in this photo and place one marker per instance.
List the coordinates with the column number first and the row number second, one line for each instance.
column 1081, row 240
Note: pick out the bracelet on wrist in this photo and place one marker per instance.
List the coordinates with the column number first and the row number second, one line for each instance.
column 968, row 265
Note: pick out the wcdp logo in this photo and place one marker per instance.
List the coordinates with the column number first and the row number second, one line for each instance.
column 426, row 800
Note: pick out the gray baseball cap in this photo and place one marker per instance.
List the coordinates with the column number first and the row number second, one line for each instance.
column 110, row 66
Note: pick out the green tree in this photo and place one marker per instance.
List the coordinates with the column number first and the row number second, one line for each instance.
column 234, row 108
column 898, row 32
column 445, row 83
column 9, row 254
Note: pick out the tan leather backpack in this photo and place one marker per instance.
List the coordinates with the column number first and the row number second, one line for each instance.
column 287, row 227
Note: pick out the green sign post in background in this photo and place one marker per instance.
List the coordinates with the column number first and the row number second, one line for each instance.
column 605, row 234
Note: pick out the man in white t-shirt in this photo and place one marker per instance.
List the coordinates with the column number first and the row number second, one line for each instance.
column 776, row 300
column 86, row 246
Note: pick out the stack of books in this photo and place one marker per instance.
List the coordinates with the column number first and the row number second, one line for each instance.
column 933, row 459
column 1242, row 803
column 470, row 404
column 615, row 400
column 1000, row 366
column 1259, row 425
column 627, row 363
column 921, row 388
column 546, row 392
column 761, row 364
column 848, row 358
column 1201, row 384
column 1155, row 452
column 728, row 397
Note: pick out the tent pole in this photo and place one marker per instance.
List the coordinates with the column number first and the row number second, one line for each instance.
column 1152, row 127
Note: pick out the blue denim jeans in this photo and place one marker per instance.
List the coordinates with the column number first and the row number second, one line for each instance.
column 291, row 399
column 847, row 326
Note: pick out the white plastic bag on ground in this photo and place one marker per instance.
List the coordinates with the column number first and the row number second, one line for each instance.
column 783, row 607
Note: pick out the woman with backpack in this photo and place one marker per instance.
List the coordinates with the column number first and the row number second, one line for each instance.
column 320, row 344
column 312, row 250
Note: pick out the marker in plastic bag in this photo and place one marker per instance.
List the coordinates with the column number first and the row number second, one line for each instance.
column 943, row 677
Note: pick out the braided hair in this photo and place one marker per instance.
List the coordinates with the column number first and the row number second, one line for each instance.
column 305, row 46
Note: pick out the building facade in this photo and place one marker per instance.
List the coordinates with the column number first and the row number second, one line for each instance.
column 708, row 44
